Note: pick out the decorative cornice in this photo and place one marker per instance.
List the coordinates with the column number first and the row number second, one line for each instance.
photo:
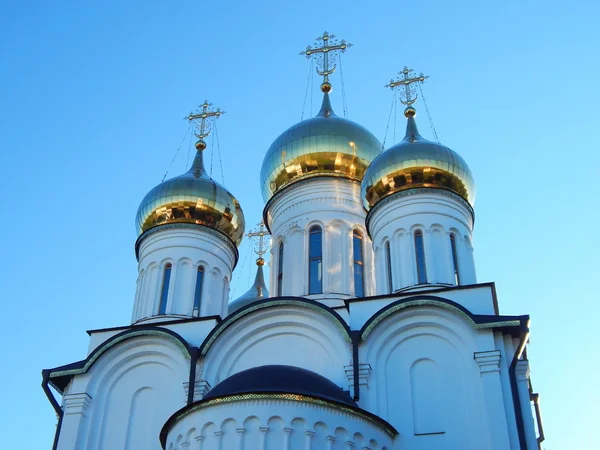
column 84, row 365
column 277, row 195
column 190, row 226
column 416, row 191
column 279, row 398
column 273, row 302
column 478, row 322
column 488, row 361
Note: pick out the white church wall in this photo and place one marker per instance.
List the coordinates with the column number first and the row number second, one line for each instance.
column 436, row 214
column 478, row 299
column 193, row 332
column 132, row 388
column 334, row 205
column 275, row 424
column 286, row 335
column 426, row 382
column 185, row 249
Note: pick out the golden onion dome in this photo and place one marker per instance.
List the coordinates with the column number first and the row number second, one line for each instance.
column 192, row 198
column 416, row 162
column 326, row 145
column 257, row 292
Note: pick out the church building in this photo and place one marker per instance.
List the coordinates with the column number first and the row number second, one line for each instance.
column 373, row 332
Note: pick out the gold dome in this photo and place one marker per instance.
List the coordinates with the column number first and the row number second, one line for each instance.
column 326, row 145
column 416, row 162
column 193, row 198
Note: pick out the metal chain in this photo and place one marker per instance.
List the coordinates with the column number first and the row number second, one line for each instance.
column 175, row 155
column 310, row 71
column 428, row 115
column 219, row 152
column 344, row 104
column 389, row 118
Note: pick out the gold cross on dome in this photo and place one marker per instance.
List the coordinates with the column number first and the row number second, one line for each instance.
column 408, row 79
column 205, row 115
column 329, row 46
column 260, row 233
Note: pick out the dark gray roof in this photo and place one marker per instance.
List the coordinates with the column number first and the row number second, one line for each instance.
column 280, row 379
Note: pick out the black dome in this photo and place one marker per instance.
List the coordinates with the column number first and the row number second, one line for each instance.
column 282, row 380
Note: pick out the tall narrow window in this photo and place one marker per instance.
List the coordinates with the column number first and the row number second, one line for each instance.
column 359, row 278
column 420, row 255
column 280, row 271
column 164, row 292
column 198, row 291
column 315, row 260
column 388, row 262
column 454, row 259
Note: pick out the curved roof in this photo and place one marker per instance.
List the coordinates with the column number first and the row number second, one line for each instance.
column 325, row 145
column 280, row 379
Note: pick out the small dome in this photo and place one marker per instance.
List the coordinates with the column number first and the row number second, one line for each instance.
column 416, row 162
column 281, row 380
column 258, row 291
column 326, row 145
column 194, row 198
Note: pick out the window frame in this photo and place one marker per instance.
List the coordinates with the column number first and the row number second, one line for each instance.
column 200, row 272
column 164, row 290
column 358, row 238
column 313, row 231
column 421, row 263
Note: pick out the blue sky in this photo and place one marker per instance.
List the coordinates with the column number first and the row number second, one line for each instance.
column 93, row 94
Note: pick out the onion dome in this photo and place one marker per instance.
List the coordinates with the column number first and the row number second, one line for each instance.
column 192, row 198
column 416, row 162
column 258, row 291
column 281, row 380
column 326, row 145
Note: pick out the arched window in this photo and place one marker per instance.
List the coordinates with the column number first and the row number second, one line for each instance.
column 164, row 292
column 359, row 278
column 388, row 262
column 454, row 259
column 280, row 271
column 315, row 260
column 420, row 255
column 198, row 291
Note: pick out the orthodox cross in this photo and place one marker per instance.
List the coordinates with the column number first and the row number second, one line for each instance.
column 260, row 233
column 204, row 115
column 409, row 78
column 329, row 45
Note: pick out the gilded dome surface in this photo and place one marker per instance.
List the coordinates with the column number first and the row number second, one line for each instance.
column 194, row 198
column 326, row 145
column 416, row 162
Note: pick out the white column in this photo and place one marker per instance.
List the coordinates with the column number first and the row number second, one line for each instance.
column 309, row 435
column 522, row 374
column 240, row 434
column 261, row 438
column 329, row 440
column 489, row 366
column 74, row 420
column 286, row 441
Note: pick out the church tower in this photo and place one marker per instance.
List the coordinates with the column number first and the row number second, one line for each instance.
column 419, row 196
column 373, row 333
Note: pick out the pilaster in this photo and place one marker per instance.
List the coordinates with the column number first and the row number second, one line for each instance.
column 522, row 375
column 489, row 367
column 75, row 407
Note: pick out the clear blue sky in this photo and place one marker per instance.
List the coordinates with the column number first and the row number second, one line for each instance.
column 92, row 99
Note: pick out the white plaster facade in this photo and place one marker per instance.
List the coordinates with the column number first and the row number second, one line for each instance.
column 334, row 205
column 437, row 214
column 430, row 365
column 185, row 249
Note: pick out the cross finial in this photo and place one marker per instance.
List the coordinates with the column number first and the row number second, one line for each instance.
column 205, row 115
column 261, row 246
column 407, row 80
column 326, row 56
